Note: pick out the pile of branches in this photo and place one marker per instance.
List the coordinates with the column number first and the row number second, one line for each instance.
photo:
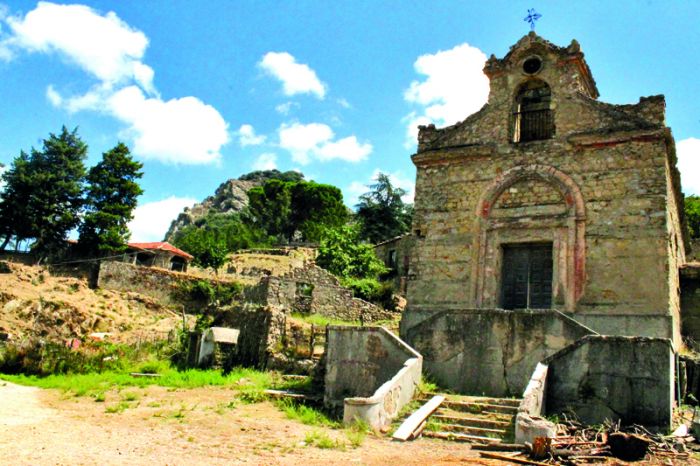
column 578, row 444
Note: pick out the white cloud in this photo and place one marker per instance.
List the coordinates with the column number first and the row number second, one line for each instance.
column 266, row 161
column 398, row 180
column 343, row 103
column 247, row 136
column 286, row 107
column 688, row 151
column 454, row 87
column 152, row 220
column 180, row 130
column 105, row 46
column 296, row 78
column 315, row 140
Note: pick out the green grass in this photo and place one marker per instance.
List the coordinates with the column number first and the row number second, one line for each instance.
column 249, row 383
column 305, row 414
column 117, row 408
column 322, row 321
column 319, row 439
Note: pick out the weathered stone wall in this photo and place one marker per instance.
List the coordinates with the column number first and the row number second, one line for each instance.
column 403, row 247
column 162, row 285
column 488, row 351
column 629, row 379
column 370, row 373
column 326, row 296
column 603, row 191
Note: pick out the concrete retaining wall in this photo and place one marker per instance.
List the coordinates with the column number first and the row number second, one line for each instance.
column 629, row 379
column 370, row 373
column 489, row 351
column 528, row 422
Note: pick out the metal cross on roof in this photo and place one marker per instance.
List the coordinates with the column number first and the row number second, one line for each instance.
column 531, row 17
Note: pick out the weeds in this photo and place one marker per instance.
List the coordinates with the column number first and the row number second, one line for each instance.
column 322, row 321
column 319, row 439
column 117, row 408
column 305, row 414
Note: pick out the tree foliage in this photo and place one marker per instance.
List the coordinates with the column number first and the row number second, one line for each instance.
column 342, row 253
column 212, row 238
column 287, row 208
column 44, row 192
column 692, row 215
column 110, row 201
column 382, row 213
column 272, row 175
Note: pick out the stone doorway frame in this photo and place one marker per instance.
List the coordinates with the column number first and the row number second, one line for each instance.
column 566, row 234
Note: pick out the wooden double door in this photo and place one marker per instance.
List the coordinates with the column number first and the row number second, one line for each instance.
column 526, row 276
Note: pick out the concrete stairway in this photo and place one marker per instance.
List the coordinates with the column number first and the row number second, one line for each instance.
column 472, row 419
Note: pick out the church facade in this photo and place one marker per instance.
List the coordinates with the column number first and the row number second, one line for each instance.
column 548, row 199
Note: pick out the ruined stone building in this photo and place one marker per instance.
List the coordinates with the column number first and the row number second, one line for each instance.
column 545, row 216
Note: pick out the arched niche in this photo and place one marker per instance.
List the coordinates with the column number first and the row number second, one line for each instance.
column 558, row 218
column 533, row 118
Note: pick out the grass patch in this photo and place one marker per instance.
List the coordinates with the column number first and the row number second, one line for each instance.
column 427, row 386
column 357, row 432
column 118, row 407
column 129, row 396
column 305, row 414
column 322, row 440
column 322, row 321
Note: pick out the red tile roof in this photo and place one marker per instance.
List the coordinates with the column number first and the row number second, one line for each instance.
column 161, row 246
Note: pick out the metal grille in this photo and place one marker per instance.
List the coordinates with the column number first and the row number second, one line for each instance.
column 534, row 125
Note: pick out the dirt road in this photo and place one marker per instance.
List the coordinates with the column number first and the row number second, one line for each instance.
column 198, row 426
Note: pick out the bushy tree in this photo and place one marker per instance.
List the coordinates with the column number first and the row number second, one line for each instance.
column 284, row 208
column 215, row 236
column 343, row 253
column 111, row 199
column 272, row 174
column 692, row 215
column 44, row 192
column 382, row 213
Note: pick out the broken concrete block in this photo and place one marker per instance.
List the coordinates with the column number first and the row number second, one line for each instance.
column 528, row 428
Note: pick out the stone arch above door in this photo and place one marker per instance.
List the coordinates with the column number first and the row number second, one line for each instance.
column 559, row 221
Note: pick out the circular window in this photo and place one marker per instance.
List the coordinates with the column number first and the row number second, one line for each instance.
column 532, row 65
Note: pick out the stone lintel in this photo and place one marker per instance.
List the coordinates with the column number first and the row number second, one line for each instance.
column 602, row 140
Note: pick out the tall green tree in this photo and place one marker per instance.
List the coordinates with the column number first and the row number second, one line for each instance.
column 692, row 215
column 382, row 212
column 111, row 198
column 44, row 192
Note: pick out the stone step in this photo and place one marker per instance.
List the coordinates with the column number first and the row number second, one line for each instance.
column 471, row 430
column 457, row 437
column 450, row 417
column 513, row 402
column 479, row 408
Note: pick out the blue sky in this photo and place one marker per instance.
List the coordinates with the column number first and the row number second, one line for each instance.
column 206, row 91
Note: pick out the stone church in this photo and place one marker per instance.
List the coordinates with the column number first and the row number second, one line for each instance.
column 545, row 216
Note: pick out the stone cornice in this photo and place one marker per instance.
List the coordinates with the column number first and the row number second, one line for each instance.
column 446, row 155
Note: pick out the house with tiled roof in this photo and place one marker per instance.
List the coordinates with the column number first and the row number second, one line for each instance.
column 159, row 254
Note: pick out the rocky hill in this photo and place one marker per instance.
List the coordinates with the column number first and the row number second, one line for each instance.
column 229, row 198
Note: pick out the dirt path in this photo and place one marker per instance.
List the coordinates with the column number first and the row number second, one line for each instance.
column 200, row 426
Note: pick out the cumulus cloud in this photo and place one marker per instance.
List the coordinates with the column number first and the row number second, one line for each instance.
column 316, row 140
column 266, row 161
column 152, row 220
column 454, row 87
column 398, row 180
column 247, row 136
column 688, row 151
column 180, row 130
column 286, row 107
column 296, row 78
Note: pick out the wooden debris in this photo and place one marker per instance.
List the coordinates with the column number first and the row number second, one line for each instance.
column 140, row 374
column 513, row 459
column 518, row 447
column 414, row 421
column 285, row 394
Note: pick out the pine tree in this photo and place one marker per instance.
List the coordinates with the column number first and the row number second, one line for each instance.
column 110, row 201
column 44, row 193
column 382, row 212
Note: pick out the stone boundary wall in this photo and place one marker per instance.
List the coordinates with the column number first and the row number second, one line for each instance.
column 327, row 297
column 162, row 285
column 626, row 379
column 490, row 352
column 370, row 372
